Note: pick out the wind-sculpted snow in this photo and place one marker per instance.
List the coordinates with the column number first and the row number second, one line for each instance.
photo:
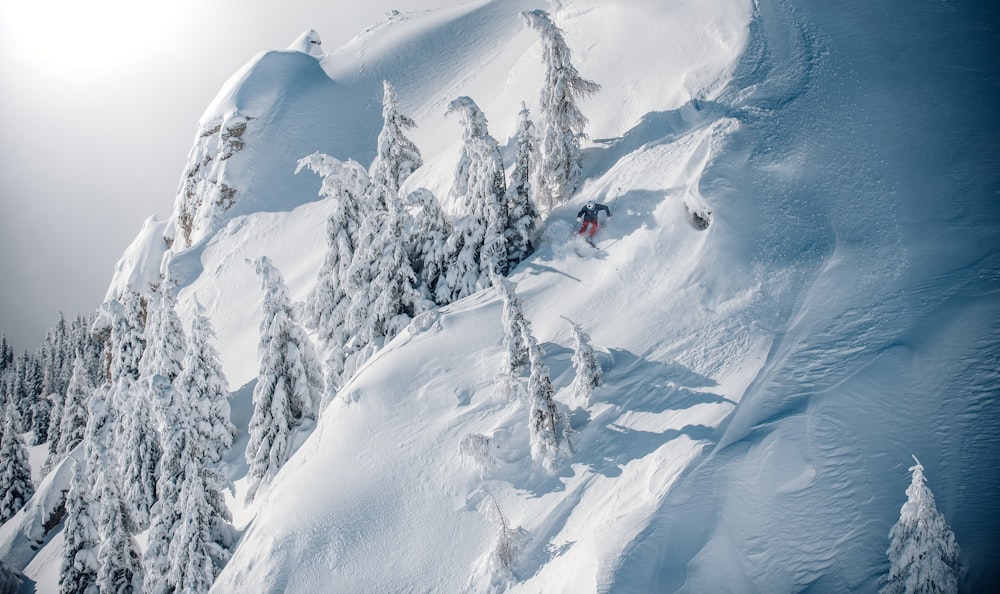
column 887, row 293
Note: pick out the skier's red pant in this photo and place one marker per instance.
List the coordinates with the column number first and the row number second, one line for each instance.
column 592, row 225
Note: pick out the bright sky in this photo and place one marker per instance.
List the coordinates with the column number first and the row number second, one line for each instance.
column 98, row 111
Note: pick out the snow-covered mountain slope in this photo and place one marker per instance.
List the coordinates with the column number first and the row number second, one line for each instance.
column 766, row 378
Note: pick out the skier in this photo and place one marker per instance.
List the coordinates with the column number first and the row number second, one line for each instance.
column 588, row 214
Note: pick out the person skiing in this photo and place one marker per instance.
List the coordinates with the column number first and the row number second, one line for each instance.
column 588, row 214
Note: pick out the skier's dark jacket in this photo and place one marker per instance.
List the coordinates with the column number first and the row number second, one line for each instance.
column 590, row 214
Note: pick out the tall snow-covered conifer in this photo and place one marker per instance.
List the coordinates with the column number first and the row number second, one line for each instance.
column 477, row 247
column 923, row 553
column 74, row 418
column 118, row 568
column 428, row 240
column 204, row 382
column 381, row 282
column 199, row 548
column 396, row 156
column 517, row 329
column 561, row 121
column 16, row 487
column 289, row 382
column 522, row 214
column 78, row 570
column 588, row 369
column 345, row 183
column 178, row 430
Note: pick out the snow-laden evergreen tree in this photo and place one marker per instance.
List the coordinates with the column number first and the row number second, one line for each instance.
column 6, row 354
column 56, row 358
column 74, row 417
column 135, row 450
column 517, row 329
column 204, row 382
column 561, row 122
column 139, row 451
column 81, row 539
column 396, row 156
column 345, row 183
column 923, row 553
column 289, row 382
column 477, row 247
column 40, row 412
column 25, row 384
column 127, row 319
column 16, row 487
column 164, row 335
column 428, row 240
column 588, row 370
column 190, row 508
column 178, row 431
column 200, row 545
column 381, row 283
column 118, row 568
column 118, row 557
column 548, row 429
column 522, row 214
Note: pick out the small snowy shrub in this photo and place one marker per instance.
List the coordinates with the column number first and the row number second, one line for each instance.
column 478, row 449
column 508, row 545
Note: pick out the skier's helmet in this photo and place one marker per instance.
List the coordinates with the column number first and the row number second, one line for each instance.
column 590, row 204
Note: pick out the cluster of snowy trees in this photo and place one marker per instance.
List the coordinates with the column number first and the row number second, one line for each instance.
column 140, row 409
column 39, row 398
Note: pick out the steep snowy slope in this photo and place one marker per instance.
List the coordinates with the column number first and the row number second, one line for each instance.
column 766, row 378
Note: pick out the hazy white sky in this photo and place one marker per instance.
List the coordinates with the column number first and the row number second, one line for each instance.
column 97, row 114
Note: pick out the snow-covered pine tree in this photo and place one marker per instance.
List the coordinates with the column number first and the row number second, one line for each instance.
column 561, row 123
column 200, row 545
column 74, row 418
column 178, row 430
column 923, row 553
column 396, row 156
column 16, row 487
column 81, row 539
column 40, row 412
column 345, row 183
column 517, row 328
column 27, row 388
column 134, row 448
column 522, row 215
column 547, row 429
column 164, row 335
column 127, row 318
column 204, row 383
column 428, row 240
column 381, row 283
column 56, row 370
column 24, row 388
column 477, row 247
column 6, row 354
column 588, row 370
column 118, row 568
column 289, row 384
column 139, row 452
column 118, row 557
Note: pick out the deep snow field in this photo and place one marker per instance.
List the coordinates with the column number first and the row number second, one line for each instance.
column 766, row 379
